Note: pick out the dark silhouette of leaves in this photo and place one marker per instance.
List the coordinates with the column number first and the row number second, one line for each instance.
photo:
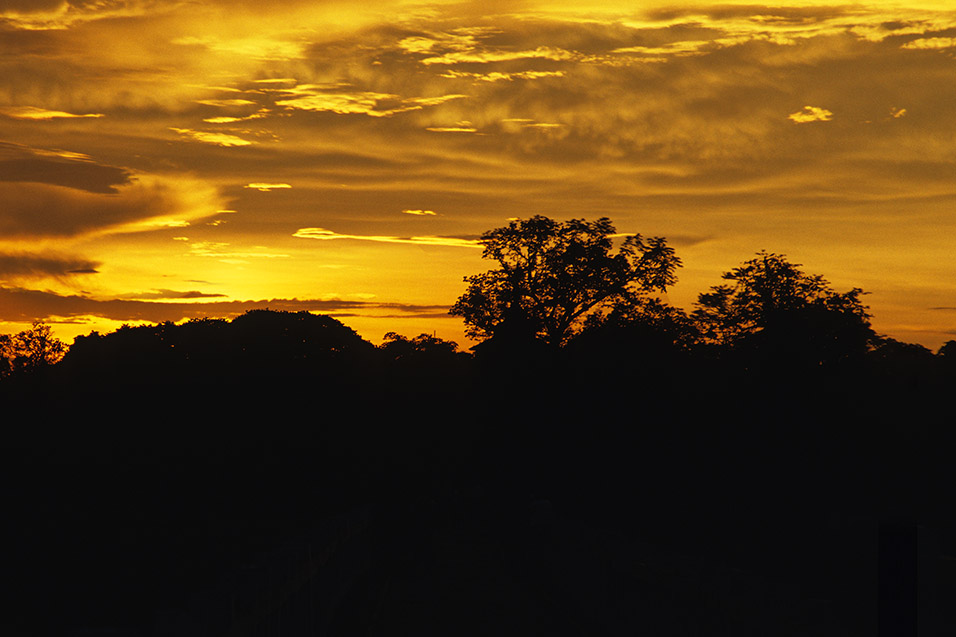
column 553, row 275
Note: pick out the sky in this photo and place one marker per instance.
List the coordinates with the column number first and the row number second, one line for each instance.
column 164, row 160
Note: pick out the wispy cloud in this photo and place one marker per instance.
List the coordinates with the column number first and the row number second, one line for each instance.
column 327, row 235
column 460, row 127
column 23, row 305
column 499, row 76
column 264, row 46
column 171, row 294
column 218, row 139
column 233, row 102
column 931, row 43
column 59, row 167
column 811, row 114
column 37, row 113
column 31, row 266
column 226, row 252
column 488, row 56
column 309, row 97
column 266, row 187
column 145, row 202
column 419, row 213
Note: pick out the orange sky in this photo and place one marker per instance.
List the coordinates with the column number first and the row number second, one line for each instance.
column 164, row 160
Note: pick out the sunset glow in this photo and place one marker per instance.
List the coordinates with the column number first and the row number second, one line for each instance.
column 164, row 161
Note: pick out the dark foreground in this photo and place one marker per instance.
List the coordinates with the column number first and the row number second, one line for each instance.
column 403, row 526
column 234, row 491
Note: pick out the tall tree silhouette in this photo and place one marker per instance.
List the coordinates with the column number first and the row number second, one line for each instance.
column 553, row 275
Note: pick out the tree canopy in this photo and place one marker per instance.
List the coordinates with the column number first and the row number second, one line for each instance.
column 29, row 350
column 771, row 303
column 552, row 276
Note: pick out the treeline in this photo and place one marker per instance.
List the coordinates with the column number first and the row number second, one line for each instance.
column 149, row 461
column 273, row 359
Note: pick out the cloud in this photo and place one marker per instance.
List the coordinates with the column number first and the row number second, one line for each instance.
column 24, row 305
column 266, row 187
column 811, row 114
column 325, row 235
column 931, row 43
column 30, row 6
column 171, row 294
column 233, row 102
column 61, row 168
column 225, row 252
column 226, row 119
column 218, row 139
column 62, row 14
column 312, row 97
column 459, row 127
column 37, row 113
column 692, row 47
column 34, row 210
column 498, row 76
column 262, row 46
column 21, row 265
column 419, row 213
column 488, row 56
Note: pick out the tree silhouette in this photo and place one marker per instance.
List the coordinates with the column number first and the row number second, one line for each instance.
column 772, row 306
column 29, row 350
column 424, row 346
column 553, row 275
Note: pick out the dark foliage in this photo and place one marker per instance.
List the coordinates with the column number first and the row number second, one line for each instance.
column 552, row 276
column 29, row 351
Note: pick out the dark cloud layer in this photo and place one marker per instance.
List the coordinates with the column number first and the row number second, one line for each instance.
column 20, row 304
column 80, row 175
column 38, row 266
column 172, row 294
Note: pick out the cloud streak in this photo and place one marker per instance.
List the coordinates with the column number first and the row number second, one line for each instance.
column 35, row 266
column 322, row 234
column 36, row 113
column 19, row 305
column 37, row 210
column 811, row 114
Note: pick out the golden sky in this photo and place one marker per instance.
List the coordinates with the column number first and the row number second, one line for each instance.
column 162, row 160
